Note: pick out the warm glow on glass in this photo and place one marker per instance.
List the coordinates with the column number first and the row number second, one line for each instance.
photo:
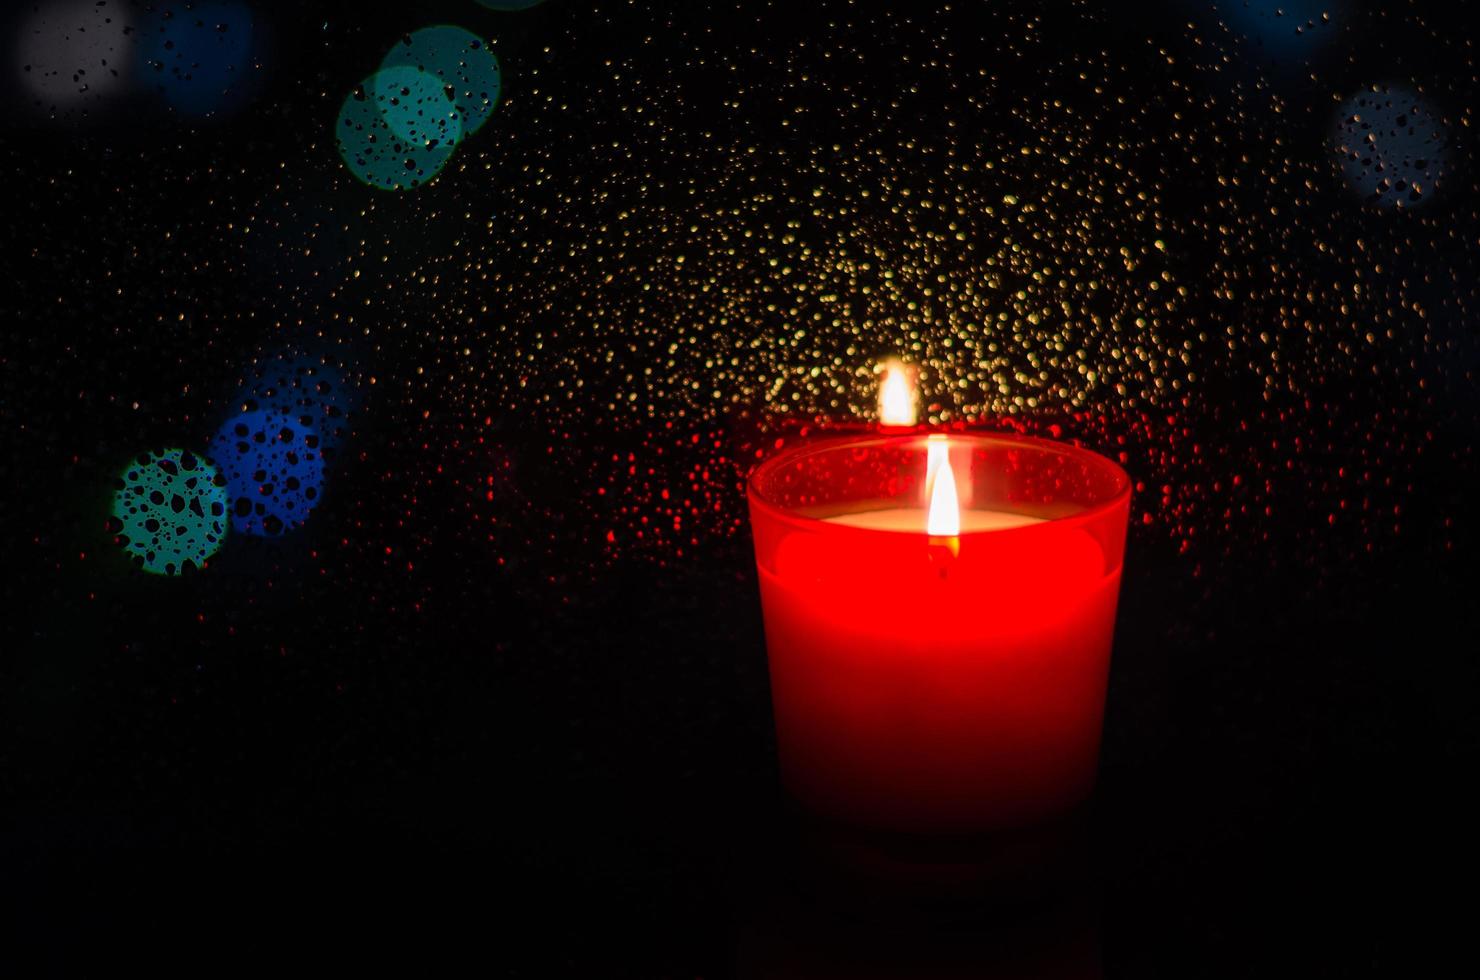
column 896, row 396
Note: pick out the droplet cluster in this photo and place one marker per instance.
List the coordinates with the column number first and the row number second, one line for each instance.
column 1210, row 243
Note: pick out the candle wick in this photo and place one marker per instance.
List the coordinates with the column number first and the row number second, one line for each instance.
column 944, row 550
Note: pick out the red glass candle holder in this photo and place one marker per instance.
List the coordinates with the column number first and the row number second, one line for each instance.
column 930, row 684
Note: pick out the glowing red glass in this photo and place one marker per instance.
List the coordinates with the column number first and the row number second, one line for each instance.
column 939, row 684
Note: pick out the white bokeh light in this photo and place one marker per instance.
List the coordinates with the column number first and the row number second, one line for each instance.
column 73, row 53
column 1392, row 146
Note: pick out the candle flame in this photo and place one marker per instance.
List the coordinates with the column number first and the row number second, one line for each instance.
column 896, row 396
column 944, row 517
column 937, row 451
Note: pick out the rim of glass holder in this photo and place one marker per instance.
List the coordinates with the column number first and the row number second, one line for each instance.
column 1088, row 457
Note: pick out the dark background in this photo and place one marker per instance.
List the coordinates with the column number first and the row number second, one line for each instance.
column 469, row 713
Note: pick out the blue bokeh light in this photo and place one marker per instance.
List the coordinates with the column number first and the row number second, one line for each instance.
column 273, row 468
column 1282, row 28
column 313, row 393
column 201, row 57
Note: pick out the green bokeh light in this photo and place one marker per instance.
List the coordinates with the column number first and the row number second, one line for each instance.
column 398, row 129
column 461, row 61
column 169, row 511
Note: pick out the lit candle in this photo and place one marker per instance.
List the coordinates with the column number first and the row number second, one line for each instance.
column 939, row 613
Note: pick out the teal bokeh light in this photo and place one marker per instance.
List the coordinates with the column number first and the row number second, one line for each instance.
column 417, row 106
column 461, row 61
column 169, row 511
column 397, row 129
